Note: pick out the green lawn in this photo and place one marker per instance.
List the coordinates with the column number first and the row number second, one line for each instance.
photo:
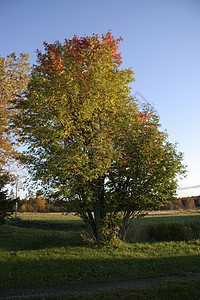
column 34, row 257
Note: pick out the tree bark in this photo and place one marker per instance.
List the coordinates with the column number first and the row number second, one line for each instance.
column 125, row 226
column 99, row 208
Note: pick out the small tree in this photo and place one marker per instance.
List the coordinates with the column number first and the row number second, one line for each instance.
column 6, row 204
column 88, row 141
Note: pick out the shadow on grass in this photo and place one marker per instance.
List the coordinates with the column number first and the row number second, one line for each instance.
column 75, row 225
column 13, row 238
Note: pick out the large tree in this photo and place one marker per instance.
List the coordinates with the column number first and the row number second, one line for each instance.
column 87, row 140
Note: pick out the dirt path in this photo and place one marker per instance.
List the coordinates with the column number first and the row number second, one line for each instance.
column 90, row 287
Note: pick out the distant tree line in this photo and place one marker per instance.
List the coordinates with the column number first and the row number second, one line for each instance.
column 38, row 203
column 183, row 203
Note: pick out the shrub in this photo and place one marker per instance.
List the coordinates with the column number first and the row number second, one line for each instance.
column 23, row 208
column 6, row 207
column 173, row 231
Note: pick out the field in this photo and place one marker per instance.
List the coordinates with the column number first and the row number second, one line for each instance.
column 156, row 246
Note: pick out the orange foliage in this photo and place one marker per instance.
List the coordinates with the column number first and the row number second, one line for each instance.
column 143, row 117
column 113, row 44
column 52, row 61
column 40, row 203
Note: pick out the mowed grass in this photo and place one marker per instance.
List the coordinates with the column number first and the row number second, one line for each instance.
column 54, row 218
column 34, row 257
column 181, row 217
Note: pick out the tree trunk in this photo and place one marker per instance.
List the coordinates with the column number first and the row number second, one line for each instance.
column 98, row 217
column 99, row 209
column 125, row 226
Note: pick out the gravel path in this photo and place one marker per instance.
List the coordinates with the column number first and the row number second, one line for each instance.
column 90, row 287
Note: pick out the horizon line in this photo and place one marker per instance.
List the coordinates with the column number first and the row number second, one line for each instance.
column 189, row 187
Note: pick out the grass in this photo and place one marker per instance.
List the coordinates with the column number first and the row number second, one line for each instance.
column 182, row 217
column 33, row 257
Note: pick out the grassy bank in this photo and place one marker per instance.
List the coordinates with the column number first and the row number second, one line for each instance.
column 33, row 257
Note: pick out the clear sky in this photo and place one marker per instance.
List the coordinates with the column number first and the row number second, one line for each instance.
column 161, row 44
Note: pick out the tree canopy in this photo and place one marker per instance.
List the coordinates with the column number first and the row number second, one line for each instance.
column 87, row 139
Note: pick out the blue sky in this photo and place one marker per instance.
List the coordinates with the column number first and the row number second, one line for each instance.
column 161, row 44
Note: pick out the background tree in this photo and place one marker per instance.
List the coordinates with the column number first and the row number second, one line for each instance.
column 13, row 83
column 85, row 136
